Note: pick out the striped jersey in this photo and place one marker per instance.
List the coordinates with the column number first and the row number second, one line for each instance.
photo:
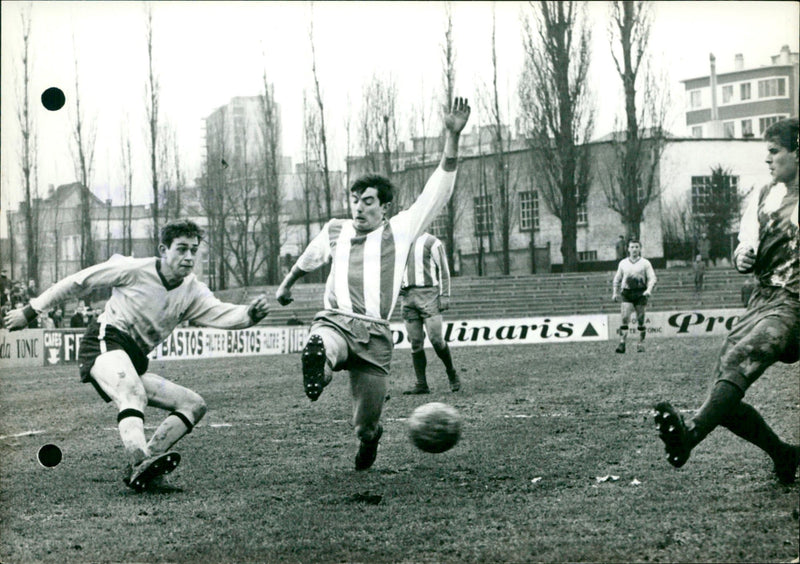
column 637, row 275
column 427, row 265
column 141, row 304
column 769, row 226
column 367, row 269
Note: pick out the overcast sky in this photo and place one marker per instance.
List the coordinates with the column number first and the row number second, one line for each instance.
column 208, row 52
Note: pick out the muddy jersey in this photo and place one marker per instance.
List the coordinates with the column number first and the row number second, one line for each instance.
column 769, row 225
column 632, row 275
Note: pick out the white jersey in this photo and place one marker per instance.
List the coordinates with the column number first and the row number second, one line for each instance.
column 632, row 275
column 427, row 265
column 367, row 269
column 141, row 304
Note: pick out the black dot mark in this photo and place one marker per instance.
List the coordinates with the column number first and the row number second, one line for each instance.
column 49, row 456
column 53, row 99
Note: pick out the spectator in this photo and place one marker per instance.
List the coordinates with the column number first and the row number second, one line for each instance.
column 77, row 319
column 57, row 315
column 5, row 287
column 699, row 273
column 294, row 320
column 704, row 248
column 31, row 291
column 622, row 248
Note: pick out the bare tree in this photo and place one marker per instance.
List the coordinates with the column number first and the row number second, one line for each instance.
column 270, row 197
column 631, row 180
column 323, row 139
column 151, row 110
column 84, row 135
column 28, row 155
column 126, row 167
column 214, row 187
column 448, row 85
column 378, row 122
column 554, row 101
column 501, row 172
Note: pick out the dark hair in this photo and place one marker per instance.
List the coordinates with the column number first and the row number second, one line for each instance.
column 180, row 228
column 382, row 184
column 637, row 241
column 784, row 133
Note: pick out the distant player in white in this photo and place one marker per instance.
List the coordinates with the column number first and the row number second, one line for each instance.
column 634, row 282
column 425, row 294
column 149, row 298
column 368, row 257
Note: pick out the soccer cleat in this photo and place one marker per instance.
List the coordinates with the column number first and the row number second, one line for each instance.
column 368, row 451
column 786, row 467
column 455, row 382
column 417, row 390
column 314, row 380
column 640, row 347
column 151, row 468
column 673, row 432
column 620, row 348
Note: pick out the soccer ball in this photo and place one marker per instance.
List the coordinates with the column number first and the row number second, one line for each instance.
column 434, row 427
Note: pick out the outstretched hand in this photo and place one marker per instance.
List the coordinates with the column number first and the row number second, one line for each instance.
column 455, row 117
column 15, row 320
column 259, row 308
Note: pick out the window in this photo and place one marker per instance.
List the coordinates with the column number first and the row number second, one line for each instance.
column 583, row 214
column 729, row 129
column 695, row 99
column 771, row 87
column 587, row 256
column 765, row 122
column 438, row 228
column 744, row 91
column 528, row 211
column 747, row 128
column 484, row 212
column 704, row 198
column 697, row 132
column 71, row 247
column 727, row 94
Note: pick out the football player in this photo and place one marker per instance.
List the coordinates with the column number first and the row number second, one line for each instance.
column 368, row 254
column 768, row 331
column 634, row 282
column 149, row 298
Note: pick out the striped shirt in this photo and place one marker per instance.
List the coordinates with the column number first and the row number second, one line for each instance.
column 769, row 226
column 427, row 265
column 367, row 269
column 141, row 305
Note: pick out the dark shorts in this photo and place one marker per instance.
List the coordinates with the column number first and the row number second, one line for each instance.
column 369, row 344
column 635, row 297
column 420, row 303
column 101, row 338
column 767, row 333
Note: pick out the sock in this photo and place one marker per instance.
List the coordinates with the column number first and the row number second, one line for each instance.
column 723, row 400
column 444, row 354
column 420, row 363
column 747, row 423
column 642, row 332
column 623, row 333
column 171, row 430
column 131, row 431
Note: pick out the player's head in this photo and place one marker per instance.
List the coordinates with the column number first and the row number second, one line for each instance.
column 782, row 154
column 634, row 248
column 180, row 240
column 370, row 196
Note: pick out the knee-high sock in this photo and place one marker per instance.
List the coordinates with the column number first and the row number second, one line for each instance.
column 171, row 430
column 420, row 363
column 444, row 354
column 723, row 400
column 746, row 422
column 131, row 430
column 623, row 332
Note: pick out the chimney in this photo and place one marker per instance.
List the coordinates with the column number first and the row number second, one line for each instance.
column 738, row 63
column 784, row 59
column 715, row 124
